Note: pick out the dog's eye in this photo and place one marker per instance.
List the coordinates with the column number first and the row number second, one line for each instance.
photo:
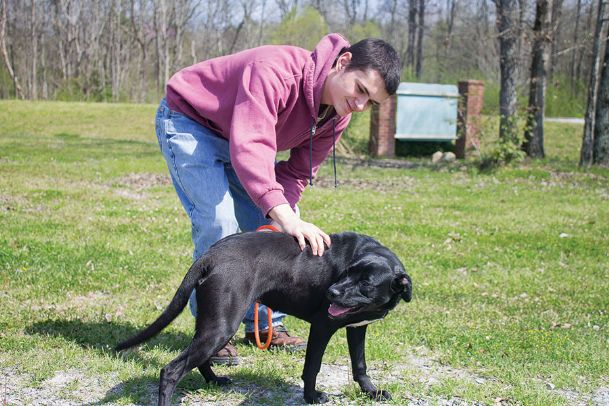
column 365, row 284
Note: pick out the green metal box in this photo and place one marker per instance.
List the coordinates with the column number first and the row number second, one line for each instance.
column 426, row 112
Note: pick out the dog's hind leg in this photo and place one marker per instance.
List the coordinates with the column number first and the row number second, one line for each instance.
column 211, row 377
column 197, row 355
column 171, row 375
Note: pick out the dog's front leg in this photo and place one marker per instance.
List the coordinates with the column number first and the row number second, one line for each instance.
column 319, row 336
column 356, row 338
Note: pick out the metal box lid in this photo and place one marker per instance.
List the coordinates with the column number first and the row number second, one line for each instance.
column 426, row 111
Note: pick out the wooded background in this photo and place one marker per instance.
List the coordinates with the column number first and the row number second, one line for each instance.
column 126, row 50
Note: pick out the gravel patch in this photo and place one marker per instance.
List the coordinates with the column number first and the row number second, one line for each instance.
column 601, row 397
column 73, row 387
column 65, row 388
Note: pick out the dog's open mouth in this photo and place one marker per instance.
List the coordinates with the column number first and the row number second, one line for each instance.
column 336, row 311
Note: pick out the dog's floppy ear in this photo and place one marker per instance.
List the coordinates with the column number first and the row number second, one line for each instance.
column 402, row 283
column 358, row 263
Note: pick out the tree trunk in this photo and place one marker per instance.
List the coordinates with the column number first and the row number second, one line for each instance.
column 137, row 28
column 5, row 57
column 421, row 28
column 556, row 19
column 412, row 27
column 572, row 71
column 601, row 120
column 508, row 41
column 533, row 135
column 587, row 150
column 34, row 41
column 522, row 5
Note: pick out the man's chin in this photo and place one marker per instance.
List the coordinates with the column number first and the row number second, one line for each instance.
column 343, row 113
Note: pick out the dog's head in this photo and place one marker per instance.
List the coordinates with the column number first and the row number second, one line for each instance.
column 372, row 285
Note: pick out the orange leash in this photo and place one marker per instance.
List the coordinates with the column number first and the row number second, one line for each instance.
column 265, row 228
column 270, row 322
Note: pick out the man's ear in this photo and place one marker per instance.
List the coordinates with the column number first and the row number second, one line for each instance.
column 403, row 284
column 343, row 61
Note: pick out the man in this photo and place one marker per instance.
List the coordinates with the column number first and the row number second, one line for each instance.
column 223, row 121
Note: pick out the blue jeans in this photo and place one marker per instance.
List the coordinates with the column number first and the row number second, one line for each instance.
column 209, row 190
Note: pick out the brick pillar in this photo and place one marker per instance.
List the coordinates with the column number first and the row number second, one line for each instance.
column 382, row 129
column 468, row 121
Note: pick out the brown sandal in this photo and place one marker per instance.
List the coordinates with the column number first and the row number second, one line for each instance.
column 226, row 356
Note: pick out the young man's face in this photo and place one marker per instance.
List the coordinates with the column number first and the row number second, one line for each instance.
column 352, row 91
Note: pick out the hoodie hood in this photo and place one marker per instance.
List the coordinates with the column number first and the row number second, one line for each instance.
column 316, row 69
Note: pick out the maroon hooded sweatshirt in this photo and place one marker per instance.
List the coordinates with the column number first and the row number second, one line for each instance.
column 264, row 100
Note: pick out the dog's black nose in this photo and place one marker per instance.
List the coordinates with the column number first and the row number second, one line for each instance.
column 333, row 293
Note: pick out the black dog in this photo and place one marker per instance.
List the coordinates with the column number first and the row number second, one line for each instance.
column 356, row 281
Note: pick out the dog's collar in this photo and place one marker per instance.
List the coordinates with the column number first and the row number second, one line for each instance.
column 363, row 323
column 267, row 228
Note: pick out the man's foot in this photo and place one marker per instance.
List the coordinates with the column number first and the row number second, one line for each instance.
column 281, row 339
column 226, row 356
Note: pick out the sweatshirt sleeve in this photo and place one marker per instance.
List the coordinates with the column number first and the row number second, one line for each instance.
column 293, row 174
column 253, row 141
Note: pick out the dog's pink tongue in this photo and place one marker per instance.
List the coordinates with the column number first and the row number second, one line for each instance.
column 336, row 310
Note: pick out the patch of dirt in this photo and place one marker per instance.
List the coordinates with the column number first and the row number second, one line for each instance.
column 72, row 387
column 388, row 185
column 134, row 185
column 11, row 203
column 65, row 388
column 73, row 302
column 142, row 181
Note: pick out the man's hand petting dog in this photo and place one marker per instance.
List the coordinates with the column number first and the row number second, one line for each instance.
column 355, row 282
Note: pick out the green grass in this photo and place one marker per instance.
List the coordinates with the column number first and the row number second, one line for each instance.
column 510, row 267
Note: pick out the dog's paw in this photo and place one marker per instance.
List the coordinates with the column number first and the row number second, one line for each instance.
column 379, row 395
column 316, row 397
column 221, row 381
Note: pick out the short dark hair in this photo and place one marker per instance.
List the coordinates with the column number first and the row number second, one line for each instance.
column 372, row 53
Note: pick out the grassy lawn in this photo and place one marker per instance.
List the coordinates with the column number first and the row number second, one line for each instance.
column 510, row 268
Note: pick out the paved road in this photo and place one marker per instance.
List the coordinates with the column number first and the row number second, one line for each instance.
column 569, row 120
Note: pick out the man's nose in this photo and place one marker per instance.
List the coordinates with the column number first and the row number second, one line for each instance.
column 361, row 103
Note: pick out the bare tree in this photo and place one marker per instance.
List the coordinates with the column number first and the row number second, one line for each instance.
column 557, row 10
column 412, row 32
column 572, row 69
column 601, row 120
column 138, row 19
column 508, row 38
column 5, row 56
column 285, row 6
column 533, row 144
column 183, row 12
column 33, row 37
column 587, row 150
column 420, row 32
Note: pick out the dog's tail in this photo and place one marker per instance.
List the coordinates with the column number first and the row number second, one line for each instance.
column 174, row 308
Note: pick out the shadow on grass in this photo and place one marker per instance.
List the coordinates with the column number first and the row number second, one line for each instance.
column 192, row 388
column 103, row 337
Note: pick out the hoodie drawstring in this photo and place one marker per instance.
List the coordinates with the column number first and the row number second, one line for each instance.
column 313, row 130
column 334, row 149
